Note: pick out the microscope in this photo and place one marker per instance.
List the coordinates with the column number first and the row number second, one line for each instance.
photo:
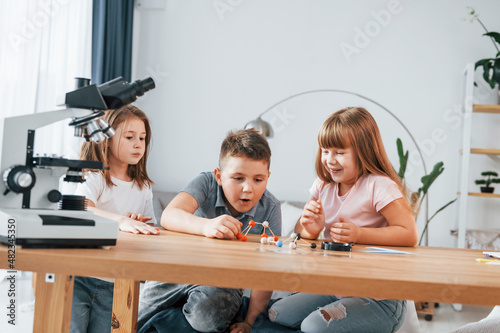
column 33, row 212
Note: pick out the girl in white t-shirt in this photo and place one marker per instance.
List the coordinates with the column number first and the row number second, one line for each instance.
column 357, row 197
column 122, row 193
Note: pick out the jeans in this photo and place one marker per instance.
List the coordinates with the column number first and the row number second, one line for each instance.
column 92, row 306
column 323, row 313
column 206, row 309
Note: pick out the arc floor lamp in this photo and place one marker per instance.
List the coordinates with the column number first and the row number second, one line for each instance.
column 266, row 128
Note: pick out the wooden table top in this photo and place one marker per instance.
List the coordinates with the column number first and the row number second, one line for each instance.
column 446, row 275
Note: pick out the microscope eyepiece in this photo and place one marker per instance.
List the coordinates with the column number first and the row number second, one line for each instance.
column 118, row 92
column 109, row 95
column 141, row 86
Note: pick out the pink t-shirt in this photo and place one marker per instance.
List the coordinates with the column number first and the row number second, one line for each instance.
column 361, row 205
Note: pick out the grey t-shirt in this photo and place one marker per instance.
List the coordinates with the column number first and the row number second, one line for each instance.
column 210, row 198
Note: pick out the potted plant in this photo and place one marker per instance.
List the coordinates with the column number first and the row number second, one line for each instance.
column 491, row 66
column 426, row 308
column 418, row 197
column 488, row 181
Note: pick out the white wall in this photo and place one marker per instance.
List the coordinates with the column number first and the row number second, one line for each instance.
column 219, row 64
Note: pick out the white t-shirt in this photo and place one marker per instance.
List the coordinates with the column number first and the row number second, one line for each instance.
column 360, row 205
column 120, row 199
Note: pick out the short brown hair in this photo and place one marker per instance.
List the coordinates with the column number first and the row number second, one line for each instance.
column 245, row 143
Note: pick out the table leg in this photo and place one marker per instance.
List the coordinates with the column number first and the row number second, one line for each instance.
column 125, row 306
column 53, row 298
column 33, row 281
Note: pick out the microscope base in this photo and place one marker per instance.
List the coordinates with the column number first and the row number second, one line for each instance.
column 45, row 243
column 38, row 228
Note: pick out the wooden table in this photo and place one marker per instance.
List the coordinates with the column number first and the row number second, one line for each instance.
column 446, row 275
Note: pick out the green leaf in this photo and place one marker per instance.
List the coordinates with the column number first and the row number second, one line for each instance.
column 488, row 75
column 431, row 177
column 429, row 220
column 403, row 159
column 482, row 62
column 489, row 173
column 496, row 71
column 494, row 35
column 440, row 209
column 489, row 71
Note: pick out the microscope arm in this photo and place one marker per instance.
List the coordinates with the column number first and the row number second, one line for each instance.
column 16, row 148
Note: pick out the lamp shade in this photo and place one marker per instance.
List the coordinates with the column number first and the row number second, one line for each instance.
column 262, row 126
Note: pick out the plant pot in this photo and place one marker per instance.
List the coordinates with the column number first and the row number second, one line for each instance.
column 487, row 189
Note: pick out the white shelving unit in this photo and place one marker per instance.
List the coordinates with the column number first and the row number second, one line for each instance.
column 469, row 109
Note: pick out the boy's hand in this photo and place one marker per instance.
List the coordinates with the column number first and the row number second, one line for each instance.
column 136, row 227
column 344, row 231
column 242, row 327
column 313, row 217
column 223, row 226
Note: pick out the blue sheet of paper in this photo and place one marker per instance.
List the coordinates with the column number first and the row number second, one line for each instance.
column 374, row 249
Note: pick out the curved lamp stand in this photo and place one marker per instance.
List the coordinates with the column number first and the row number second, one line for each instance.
column 267, row 130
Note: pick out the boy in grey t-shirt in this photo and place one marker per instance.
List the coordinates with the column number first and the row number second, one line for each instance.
column 219, row 205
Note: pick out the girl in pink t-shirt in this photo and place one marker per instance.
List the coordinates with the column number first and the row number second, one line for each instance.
column 357, row 197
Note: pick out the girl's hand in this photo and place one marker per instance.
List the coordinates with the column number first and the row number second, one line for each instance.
column 223, row 226
column 313, row 217
column 138, row 217
column 136, row 227
column 242, row 327
column 344, row 231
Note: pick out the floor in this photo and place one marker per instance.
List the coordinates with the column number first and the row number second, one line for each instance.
column 445, row 319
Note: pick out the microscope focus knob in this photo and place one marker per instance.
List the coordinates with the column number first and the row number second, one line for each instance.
column 54, row 196
column 19, row 178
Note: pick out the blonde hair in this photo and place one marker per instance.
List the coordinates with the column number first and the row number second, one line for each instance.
column 355, row 127
column 92, row 151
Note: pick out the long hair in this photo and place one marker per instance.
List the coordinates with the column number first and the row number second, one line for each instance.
column 92, row 151
column 355, row 127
